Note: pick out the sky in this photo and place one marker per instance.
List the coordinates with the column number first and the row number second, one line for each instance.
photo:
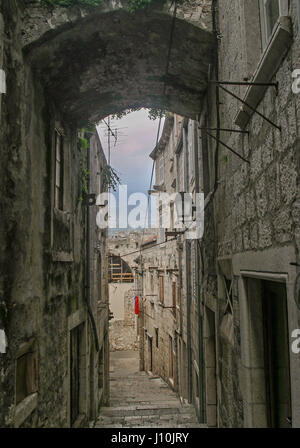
column 137, row 136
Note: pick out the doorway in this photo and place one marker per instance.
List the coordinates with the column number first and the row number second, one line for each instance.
column 150, row 354
column 210, row 368
column 77, row 373
column 276, row 354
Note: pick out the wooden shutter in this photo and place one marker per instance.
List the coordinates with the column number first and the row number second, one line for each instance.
column 161, row 289
column 174, row 290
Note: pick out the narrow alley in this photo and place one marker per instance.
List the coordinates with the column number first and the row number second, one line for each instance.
column 149, row 214
column 140, row 400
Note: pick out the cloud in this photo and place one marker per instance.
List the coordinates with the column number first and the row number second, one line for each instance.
column 137, row 136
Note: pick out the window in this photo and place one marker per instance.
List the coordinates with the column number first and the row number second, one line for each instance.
column 190, row 145
column 180, row 171
column 77, row 372
column 152, row 282
column 172, row 216
column 26, row 371
column 156, row 337
column 161, row 166
column 171, row 359
column 161, row 289
column 59, row 171
column 174, row 298
column 100, row 278
column 205, row 161
column 161, row 230
column 269, row 14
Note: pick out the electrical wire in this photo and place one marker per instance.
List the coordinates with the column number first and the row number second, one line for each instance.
column 154, row 245
column 217, row 150
column 160, row 117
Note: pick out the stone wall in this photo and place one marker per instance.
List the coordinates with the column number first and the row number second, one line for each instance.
column 251, row 228
column 96, row 55
column 42, row 280
column 159, row 323
column 123, row 332
column 254, row 215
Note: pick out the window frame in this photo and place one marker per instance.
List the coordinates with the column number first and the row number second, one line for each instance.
column 191, row 150
column 161, row 169
column 174, row 297
column 156, row 338
column 28, row 353
column 266, row 32
column 59, row 177
column 162, row 289
column 171, row 359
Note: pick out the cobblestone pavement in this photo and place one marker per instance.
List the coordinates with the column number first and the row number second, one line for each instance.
column 141, row 401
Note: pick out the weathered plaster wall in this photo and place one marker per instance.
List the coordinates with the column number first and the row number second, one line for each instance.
column 123, row 329
column 117, row 292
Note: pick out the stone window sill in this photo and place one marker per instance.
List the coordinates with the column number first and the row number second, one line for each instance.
column 62, row 257
column 268, row 65
column 25, row 408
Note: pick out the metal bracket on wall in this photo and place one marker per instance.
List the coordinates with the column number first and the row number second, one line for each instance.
column 239, row 131
column 228, row 147
column 89, row 200
column 167, row 307
column 250, row 107
column 247, row 83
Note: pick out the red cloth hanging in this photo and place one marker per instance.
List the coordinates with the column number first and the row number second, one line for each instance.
column 137, row 308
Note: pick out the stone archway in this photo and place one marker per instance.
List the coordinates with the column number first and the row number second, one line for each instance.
column 109, row 60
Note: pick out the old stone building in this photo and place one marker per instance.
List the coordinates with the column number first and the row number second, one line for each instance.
column 124, row 251
column 218, row 314
column 54, row 309
column 166, row 316
column 238, row 286
column 250, row 247
column 123, row 333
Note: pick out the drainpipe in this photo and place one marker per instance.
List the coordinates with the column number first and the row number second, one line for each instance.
column 179, row 246
column 198, row 289
column 2, row 72
column 87, row 294
column 187, row 266
column 298, row 14
column 188, row 323
column 140, row 287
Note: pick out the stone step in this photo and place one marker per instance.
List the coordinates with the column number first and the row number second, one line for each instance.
column 180, row 418
column 153, row 409
column 168, row 421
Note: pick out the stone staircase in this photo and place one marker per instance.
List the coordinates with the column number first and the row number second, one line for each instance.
column 163, row 415
column 143, row 401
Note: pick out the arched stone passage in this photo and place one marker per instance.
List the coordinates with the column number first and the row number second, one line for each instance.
column 113, row 60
